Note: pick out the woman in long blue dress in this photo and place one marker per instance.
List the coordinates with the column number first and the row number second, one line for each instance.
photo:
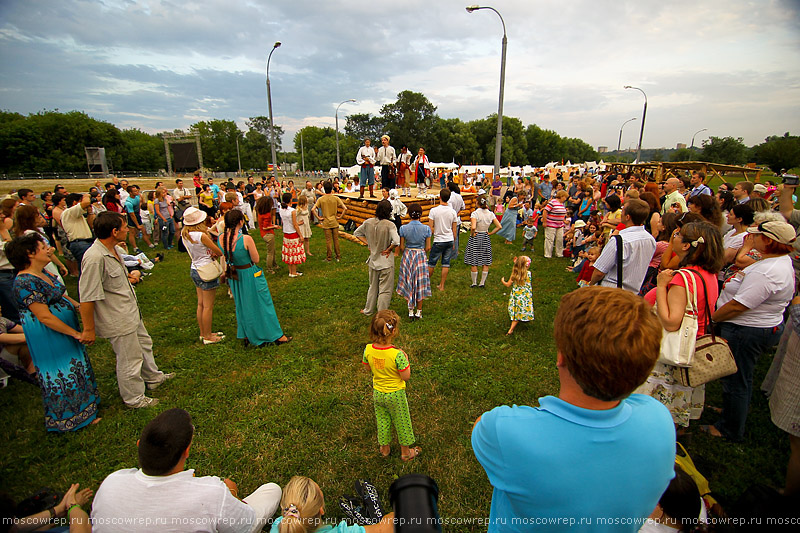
column 50, row 322
column 509, row 222
column 255, row 315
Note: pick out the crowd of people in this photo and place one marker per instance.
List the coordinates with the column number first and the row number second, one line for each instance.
column 643, row 251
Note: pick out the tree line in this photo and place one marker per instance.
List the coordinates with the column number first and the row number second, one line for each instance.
column 53, row 141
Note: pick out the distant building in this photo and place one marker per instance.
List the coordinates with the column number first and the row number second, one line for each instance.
column 680, row 146
column 602, row 149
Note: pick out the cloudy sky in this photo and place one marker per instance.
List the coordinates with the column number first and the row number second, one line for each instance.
column 730, row 66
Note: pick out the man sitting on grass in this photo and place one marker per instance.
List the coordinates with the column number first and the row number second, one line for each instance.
column 162, row 496
column 595, row 458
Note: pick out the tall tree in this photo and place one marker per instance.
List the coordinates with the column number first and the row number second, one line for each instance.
column 779, row 152
column 411, row 120
column 726, row 150
column 138, row 151
column 218, row 140
column 363, row 125
column 515, row 143
column 319, row 147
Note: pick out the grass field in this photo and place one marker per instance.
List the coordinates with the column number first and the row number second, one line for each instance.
column 305, row 408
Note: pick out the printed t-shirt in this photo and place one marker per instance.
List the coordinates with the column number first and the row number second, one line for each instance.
column 765, row 288
column 386, row 365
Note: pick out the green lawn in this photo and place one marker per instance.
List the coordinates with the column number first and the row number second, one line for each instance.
column 305, row 408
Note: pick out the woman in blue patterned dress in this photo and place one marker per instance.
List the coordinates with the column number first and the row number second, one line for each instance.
column 50, row 322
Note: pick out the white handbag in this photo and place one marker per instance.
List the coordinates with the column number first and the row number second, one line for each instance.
column 677, row 347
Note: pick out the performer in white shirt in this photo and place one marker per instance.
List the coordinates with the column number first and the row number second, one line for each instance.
column 366, row 159
column 387, row 159
column 404, row 172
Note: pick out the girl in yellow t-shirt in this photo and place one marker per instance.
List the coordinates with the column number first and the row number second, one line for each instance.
column 390, row 371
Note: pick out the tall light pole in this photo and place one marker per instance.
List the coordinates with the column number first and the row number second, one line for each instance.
column 302, row 153
column 499, row 141
column 620, row 131
column 269, row 101
column 238, row 157
column 338, row 162
column 695, row 134
column 641, row 131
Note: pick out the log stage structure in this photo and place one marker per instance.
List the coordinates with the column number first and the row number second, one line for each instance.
column 360, row 209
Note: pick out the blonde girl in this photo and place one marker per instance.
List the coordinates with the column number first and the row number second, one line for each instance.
column 302, row 509
column 520, row 302
column 305, row 228
column 390, row 371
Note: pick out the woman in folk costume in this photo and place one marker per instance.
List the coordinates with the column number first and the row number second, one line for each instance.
column 422, row 170
column 404, row 172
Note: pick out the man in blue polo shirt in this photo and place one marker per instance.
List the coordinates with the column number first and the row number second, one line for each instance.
column 595, row 458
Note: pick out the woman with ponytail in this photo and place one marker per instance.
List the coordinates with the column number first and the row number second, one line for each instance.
column 699, row 247
column 303, row 507
column 255, row 314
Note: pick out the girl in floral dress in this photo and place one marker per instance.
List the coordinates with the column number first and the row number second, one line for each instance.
column 520, row 302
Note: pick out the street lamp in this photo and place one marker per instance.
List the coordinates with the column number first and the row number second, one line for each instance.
column 620, row 131
column 269, row 101
column 693, row 136
column 499, row 141
column 238, row 157
column 641, row 131
column 338, row 162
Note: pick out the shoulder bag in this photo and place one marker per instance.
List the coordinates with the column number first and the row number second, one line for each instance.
column 677, row 347
column 713, row 358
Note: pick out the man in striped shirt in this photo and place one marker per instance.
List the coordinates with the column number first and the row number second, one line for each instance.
column 555, row 213
column 638, row 247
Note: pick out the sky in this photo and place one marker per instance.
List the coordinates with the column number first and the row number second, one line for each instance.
column 731, row 67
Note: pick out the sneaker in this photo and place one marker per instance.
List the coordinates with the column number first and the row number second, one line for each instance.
column 144, row 402
column 152, row 245
column 418, row 314
column 153, row 386
column 136, row 251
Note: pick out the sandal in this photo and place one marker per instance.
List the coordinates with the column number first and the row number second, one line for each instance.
column 279, row 342
column 413, row 452
column 388, row 450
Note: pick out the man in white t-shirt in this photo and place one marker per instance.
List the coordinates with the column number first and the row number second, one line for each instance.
column 162, row 496
column 458, row 205
column 443, row 221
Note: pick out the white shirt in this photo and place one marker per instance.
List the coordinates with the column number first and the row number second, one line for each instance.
column 405, row 158
column 123, row 195
column 765, row 288
column 286, row 220
column 443, row 218
column 130, row 501
column 365, row 155
column 198, row 252
column 386, row 155
column 456, row 202
column 638, row 248
column 424, row 160
column 179, row 192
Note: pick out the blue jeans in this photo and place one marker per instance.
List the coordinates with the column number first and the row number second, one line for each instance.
column 167, row 231
column 7, row 300
column 746, row 343
column 78, row 248
column 440, row 250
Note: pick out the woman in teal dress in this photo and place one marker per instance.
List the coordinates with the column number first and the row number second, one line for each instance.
column 50, row 322
column 257, row 322
column 509, row 223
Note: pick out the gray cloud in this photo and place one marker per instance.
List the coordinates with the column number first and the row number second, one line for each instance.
column 163, row 65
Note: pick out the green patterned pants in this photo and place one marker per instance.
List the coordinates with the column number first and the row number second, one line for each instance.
column 392, row 407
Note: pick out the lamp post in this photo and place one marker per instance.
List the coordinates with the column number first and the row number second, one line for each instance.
column 695, row 134
column 269, row 101
column 238, row 157
column 641, row 131
column 620, row 131
column 338, row 162
column 499, row 141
